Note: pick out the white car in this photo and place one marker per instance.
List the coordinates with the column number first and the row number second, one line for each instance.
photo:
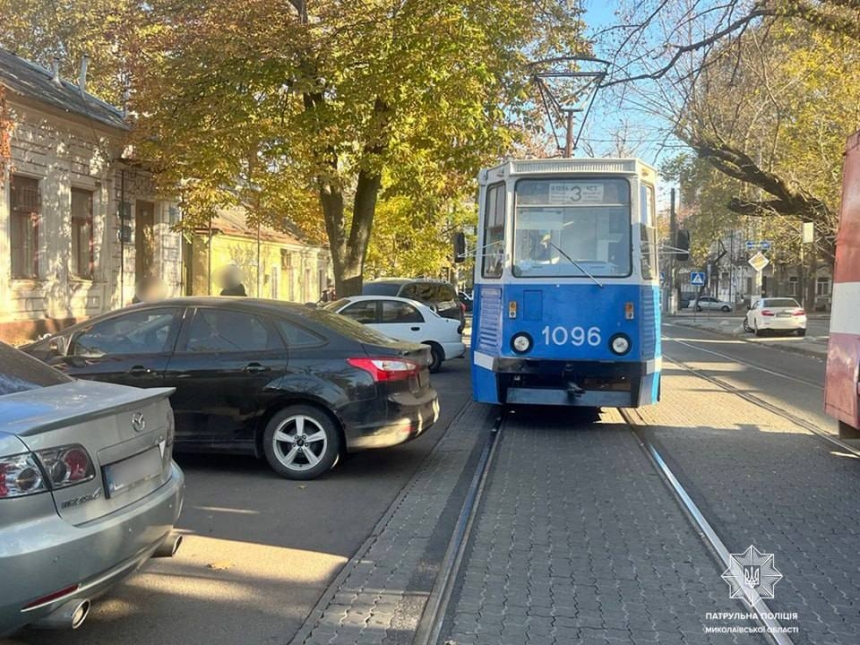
column 406, row 319
column 776, row 314
column 710, row 303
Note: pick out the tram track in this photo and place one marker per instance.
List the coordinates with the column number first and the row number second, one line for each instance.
column 432, row 623
column 824, row 435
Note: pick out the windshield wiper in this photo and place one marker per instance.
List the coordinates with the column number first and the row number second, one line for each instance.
column 575, row 263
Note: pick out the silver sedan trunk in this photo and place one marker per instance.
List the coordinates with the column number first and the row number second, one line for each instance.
column 88, row 492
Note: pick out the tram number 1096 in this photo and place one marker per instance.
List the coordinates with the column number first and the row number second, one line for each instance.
column 577, row 336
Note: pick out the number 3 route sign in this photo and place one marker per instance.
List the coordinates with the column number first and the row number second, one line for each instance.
column 697, row 278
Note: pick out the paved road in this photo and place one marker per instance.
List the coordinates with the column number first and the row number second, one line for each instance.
column 816, row 328
column 259, row 550
column 792, row 381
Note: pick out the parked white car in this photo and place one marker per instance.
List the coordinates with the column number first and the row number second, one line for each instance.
column 776, row 314
column 710, row 303
column 406, row 319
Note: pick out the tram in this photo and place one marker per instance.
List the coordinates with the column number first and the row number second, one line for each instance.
column 842, row 385
column 567, row 294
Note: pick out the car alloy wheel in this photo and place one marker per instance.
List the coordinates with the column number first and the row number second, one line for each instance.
column 698, row 308
column 301, row 442
column 747, row 324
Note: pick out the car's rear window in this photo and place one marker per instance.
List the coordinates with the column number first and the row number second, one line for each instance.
column 347, row 327
column 781, row 302
column 19, row 372
column 380, row 289
column 429, row 292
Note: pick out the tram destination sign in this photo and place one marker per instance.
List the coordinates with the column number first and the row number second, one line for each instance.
column 575, row 192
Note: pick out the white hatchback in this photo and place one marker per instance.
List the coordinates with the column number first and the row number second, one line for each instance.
column 406, row 319
column 776, row 314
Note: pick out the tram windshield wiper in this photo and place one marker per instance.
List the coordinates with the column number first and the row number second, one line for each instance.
column 575, row 263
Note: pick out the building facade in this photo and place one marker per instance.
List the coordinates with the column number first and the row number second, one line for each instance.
column 80, row 223
column 271, row 263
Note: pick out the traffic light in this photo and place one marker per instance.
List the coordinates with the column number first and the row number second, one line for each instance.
column 682, row 245
column 459, row 247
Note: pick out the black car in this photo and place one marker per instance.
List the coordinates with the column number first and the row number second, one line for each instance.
column 263, row 377
column 440, row 296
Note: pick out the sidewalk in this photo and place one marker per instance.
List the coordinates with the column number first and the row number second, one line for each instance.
column 733, row 327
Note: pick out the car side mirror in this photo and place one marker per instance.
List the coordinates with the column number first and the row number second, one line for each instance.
column 58, row 346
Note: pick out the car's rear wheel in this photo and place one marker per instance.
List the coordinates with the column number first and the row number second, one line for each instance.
column 801, row 332
column 698, row 308
column 437, row 357
column 747, row 324
column 301, row 442
column 726, row 308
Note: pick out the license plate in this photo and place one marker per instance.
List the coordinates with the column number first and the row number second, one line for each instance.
column 783, row 314
column 122, row 476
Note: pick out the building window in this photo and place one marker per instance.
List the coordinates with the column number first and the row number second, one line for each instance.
column 793, row 284
column 822, row 286
column 24, row 226
column 82, row 233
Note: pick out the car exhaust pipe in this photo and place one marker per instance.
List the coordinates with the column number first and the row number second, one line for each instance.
column 169, row 547
column 70, row 615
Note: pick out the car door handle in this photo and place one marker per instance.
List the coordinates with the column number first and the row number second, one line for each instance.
column 255, row 368
column 415, row 328
column 139, row 370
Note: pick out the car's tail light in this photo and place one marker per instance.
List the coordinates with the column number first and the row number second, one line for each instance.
column 766, row 312
column 799, row 312
column 386, row 369
column 20, row 475
column 66, row 466
column 52, row 469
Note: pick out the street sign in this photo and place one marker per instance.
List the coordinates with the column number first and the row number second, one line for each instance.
column 758, row 261
column 697, row 278
column 761, row 245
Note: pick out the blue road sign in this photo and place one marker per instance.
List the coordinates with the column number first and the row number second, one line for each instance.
column 761, row 245
column 697, row 278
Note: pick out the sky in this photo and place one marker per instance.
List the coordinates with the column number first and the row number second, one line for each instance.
column 607, row 117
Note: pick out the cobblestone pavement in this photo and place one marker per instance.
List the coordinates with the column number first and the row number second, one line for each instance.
column 813, row 344
column 762, row 481
column 578, row 540
column 380, row 595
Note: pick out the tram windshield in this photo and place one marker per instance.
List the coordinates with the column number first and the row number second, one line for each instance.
column 572, row 228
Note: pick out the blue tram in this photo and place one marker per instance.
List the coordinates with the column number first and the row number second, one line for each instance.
column 567, row 299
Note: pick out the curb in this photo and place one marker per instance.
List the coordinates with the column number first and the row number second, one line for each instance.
column 791, row 349
column 317, row 613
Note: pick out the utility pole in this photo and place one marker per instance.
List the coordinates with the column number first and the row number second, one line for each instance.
column 568, row 145
column 673, row 236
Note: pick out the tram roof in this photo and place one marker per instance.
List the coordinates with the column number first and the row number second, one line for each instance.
column 524, row 167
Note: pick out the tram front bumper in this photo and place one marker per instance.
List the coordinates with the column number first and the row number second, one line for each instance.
column 575, row 383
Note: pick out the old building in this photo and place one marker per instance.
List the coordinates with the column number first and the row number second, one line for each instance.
column 80, row 222
column 271, row 263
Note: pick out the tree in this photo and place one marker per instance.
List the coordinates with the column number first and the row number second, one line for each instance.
column 270, row 101
column 5, row 136
column 42, row 30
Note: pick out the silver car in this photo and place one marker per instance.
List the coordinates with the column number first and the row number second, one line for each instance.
column 88, row 489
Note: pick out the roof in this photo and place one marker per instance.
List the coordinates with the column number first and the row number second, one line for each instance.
column 234, row 221
column 36, row 83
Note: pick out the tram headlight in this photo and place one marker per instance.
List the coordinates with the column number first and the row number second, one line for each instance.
column 619, row 344
column 521, row 343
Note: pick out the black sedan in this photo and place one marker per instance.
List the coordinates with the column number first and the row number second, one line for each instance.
column 296, row 385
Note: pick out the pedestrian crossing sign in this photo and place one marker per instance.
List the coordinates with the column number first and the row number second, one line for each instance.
column 697, row 278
